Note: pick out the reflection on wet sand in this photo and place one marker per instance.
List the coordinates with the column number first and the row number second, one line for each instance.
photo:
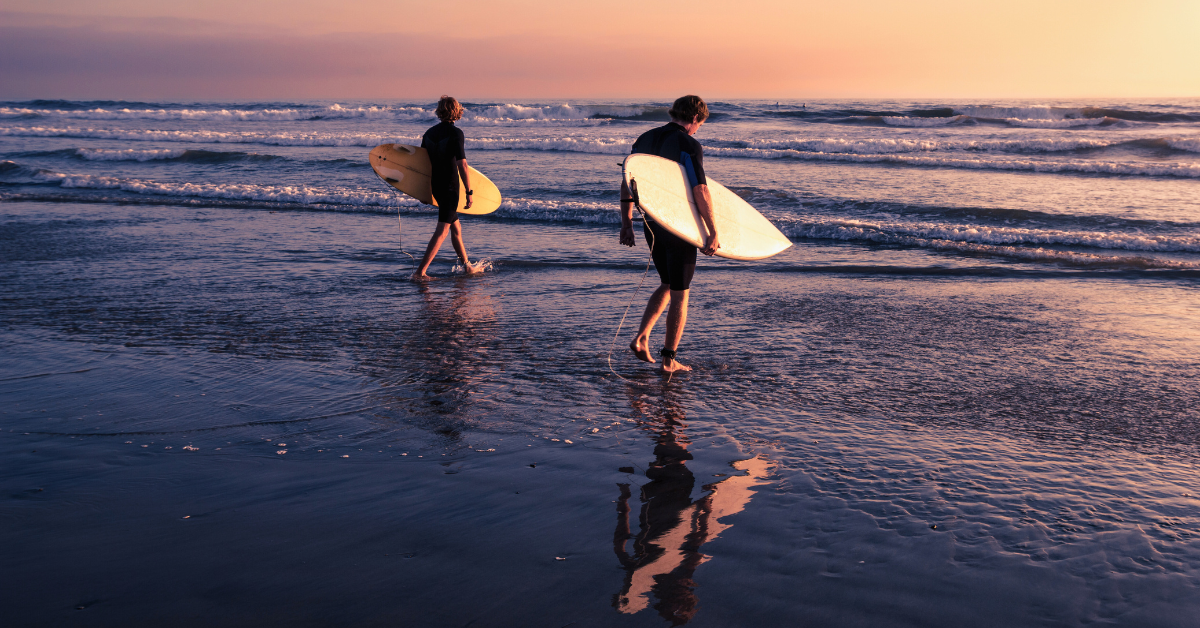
column 666, row 551
column 438, row 360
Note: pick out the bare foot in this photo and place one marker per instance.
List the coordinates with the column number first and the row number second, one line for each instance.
column 673, row 366
column 641, row 350
column 420, row 277
column 471, row 269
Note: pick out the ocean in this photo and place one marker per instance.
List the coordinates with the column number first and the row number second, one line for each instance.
column 966, row 395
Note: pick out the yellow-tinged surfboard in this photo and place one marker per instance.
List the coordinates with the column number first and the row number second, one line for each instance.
column 407, row 168
column 665, row 195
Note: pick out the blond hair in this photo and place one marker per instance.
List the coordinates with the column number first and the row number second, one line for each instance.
column 448, row 109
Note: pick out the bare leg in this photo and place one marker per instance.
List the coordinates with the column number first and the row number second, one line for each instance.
column 654, row 308
column 676, row 319
column 459, row 247
column 435, row 243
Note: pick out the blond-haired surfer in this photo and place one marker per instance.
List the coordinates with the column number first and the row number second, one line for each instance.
column 448, row 155
column 674, row 259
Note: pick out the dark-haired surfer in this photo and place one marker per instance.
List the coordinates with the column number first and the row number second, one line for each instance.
column 448, row 155
column 674, row 259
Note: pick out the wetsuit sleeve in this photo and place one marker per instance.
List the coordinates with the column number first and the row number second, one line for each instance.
column 697, row 155
column 460, row 145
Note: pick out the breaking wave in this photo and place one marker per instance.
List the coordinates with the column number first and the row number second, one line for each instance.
column 346, row 198
column 214, row 137
column 1186, row 170
column 900, row 232
column 1029, row 244
column 223, row 115
column 870, row 149
column 169, row 154
column 1048, row 112
column 474, row 114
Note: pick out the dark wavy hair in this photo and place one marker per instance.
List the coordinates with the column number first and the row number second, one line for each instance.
column 689, row 108
column 448, row 109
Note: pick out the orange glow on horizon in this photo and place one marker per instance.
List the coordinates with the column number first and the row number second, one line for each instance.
column 525, row 49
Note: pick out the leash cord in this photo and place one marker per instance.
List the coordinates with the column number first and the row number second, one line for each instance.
column 399, row 222
column 636, row 203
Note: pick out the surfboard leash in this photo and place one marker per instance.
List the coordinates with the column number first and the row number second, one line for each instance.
column 637, row 204
column 399, row 223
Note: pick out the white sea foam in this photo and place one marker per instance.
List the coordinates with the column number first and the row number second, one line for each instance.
column 1188, row 170
column 937, row 239
column 1010, row 242
column 521, row 112
column 1067, row 123
column 602, row 145
column 923, row 122
column 1035, row 112
column 889, row 232
column 888, row 150
column 129, row 154
column 276, row 194
column 572, row 115
column 905, row 145
column 1042, row 116
column 1190, row 144
column 809, row 150
column 214, row 137
column 560, row 211
column 586, row 211
column 304, row 195
column 494, row 114
column 1053, row 255
column 330, row 112
column 353, row 198
column 584, row 144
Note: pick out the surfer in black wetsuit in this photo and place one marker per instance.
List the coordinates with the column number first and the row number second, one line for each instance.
column 448, row 155
column 674, row 258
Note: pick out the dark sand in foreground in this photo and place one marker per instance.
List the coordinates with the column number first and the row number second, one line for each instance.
column 851, row 451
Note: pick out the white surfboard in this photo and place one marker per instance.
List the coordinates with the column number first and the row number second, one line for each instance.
column 665, row 195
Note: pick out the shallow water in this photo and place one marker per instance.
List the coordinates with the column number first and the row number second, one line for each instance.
column 873, row 435
column 967, row 395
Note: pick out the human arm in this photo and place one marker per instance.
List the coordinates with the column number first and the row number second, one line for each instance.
column 465, row 173
column 626, row 214
column 693, row 162
column 704, row 205
column 460, row 149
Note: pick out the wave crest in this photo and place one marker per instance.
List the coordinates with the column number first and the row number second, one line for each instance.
column 1185, row 170
column 896, row 232
column 475, row 114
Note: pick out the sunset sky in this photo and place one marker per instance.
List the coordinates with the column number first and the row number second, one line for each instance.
column 276, row 49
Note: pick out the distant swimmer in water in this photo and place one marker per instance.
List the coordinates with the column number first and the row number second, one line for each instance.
column 448, row 154
column 674, row 258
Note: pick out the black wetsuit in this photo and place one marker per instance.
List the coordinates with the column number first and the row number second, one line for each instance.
column 446, row 146
column 674, row 258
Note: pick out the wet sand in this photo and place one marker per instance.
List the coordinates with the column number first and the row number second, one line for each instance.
column 852, row 450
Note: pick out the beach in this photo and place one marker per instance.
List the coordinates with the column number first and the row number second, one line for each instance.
column 966, row 395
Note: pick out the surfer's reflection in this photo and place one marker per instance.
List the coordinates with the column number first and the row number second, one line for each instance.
column 435, row 363
column 671, row 527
